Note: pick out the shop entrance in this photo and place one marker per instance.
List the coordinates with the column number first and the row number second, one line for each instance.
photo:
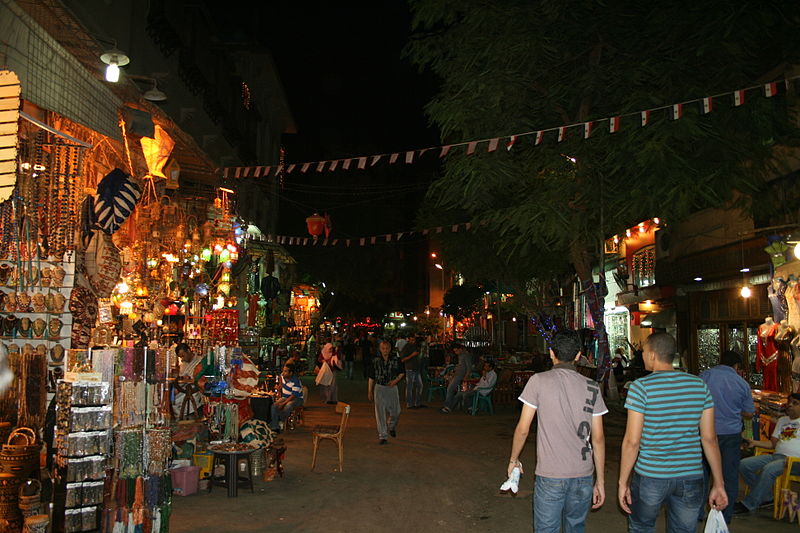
column 715, row 338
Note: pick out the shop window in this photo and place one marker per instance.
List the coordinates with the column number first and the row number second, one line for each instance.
column 644, row 266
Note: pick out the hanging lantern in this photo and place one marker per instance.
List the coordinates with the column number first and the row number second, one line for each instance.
column 205, row 255
column 225, row 288
column 225, row 255
column 316, row 224
column 126, row 308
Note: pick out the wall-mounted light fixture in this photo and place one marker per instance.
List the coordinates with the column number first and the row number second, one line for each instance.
column 114, row 58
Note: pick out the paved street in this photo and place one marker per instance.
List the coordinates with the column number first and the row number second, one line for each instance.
column 441, row 473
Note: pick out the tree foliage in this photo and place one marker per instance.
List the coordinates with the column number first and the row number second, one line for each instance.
column 461, row 301
column 514, row 66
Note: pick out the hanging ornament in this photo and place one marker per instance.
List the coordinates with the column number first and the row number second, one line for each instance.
column 316, row 224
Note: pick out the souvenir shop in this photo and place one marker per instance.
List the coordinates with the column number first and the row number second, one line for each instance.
column 105, row 266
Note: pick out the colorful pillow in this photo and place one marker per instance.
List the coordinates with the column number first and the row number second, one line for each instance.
column 256, row 433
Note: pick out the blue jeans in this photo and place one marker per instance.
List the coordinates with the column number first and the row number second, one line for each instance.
column 561, row 502
column 683, row 497
column 348, row 368
column 730, row 450
column 413, row 388
column 760, row 473
column 279, row 415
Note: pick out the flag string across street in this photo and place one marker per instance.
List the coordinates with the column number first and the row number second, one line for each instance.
column 646, row 116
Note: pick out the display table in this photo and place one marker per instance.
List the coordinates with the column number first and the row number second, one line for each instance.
column 232, row 480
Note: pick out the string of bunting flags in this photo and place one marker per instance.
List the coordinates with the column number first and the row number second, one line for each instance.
column 675, row 112
column 357, row 241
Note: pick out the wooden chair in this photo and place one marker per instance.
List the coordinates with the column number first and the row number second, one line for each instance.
column 784, row 481
column 334, row 433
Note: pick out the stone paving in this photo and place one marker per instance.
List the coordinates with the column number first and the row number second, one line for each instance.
column 440, row 474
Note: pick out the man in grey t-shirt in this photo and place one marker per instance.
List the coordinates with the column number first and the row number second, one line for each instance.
column 570, row 443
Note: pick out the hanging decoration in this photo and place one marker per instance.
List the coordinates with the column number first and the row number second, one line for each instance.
column 674, row 111
column 9, row 124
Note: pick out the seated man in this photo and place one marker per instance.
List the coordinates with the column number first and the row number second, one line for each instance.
column 190, row 381
column 291, row 397
column 483, row 387
column 760, row 472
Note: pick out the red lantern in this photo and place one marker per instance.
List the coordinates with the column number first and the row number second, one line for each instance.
column 316, row 224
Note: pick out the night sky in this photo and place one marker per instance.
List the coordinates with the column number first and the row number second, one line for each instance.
column 351, row 93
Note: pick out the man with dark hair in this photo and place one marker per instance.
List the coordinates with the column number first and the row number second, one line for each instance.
column 732, row 401
column 761, row 471
column 662, row 445
column 291, row 397
column 484, row 386
column 570, row 442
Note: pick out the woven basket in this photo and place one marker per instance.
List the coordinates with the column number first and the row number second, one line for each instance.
column 20, row 465
column 9, row 492
column 36, row 524
column 21, row 441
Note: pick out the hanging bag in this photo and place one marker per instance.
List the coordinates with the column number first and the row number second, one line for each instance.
column 715, row 523
column 102, row 263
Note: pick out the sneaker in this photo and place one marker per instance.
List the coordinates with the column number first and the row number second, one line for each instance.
column 393, row 433
column 382, row 441
column 740, row 508
column 444, row 410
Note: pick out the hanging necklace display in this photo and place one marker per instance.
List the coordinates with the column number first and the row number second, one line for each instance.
column 24, row 327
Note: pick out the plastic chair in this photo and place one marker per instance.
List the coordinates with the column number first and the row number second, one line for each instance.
column 334, row 433
column 784, row 481
column 436, row 385
column 478, row 399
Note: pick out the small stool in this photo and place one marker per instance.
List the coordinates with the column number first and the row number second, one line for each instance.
column 232, row 479
column 295, row 418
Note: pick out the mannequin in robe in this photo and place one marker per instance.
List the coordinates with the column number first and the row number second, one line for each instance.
column 767, row 354
column 776, row 292
column 783, row 339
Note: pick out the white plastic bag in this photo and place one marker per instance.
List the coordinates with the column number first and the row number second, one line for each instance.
column 715, row 523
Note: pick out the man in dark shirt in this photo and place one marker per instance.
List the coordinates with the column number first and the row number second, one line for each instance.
column 367, row 354
column 387, row 371
column 409, row 355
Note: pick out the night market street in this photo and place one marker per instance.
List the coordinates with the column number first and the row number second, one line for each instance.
column 441, row 473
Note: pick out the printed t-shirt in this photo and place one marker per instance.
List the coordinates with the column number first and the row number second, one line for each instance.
column 292, row 387
column 672, row 404
column 787, row 431
column 565, row 403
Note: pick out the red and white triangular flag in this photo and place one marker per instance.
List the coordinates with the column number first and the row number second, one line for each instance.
column 361, row 241
column 388, row 237
column 511, row 141
column 238, row 173
column 562, row 130
column 321, row 166
column 398, row 236
column 346, row 164
column 409, row 157
column 738, row 97
column 445, row 150
column 438, row 229
column 770, row 89
column 471, row 147
column 333, row 165
column 362, row 163
column 493, row 145
column 305, row 241
column 676, row 111
column 226, row 172
column 372, row 240
column 645, row 118
column 290, row 168
column 393, row 158
column 468, row 225
column 613, row 124
column 375, row 159
column 587, row 129
column 454, row 229
column 708, row 105
column 539, row 136
column 304, row 168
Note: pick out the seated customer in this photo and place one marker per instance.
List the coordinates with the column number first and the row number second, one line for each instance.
column 291, row 397
column 760, row 472
column 483, row 387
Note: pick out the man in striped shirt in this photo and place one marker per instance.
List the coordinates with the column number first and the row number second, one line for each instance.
column 670, row 425
column 291, row 396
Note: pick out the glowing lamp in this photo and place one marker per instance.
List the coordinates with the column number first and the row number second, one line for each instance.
column 152, row 263
column 746, row 292
column 172, row 309
column 217, row 248
column 126, row 307
column 205, row 255
column 141, row 292
column 797, row 250
column 122, row 287
column 315, row 224
column 225, row 255
column 225, row 288
column 231, row 248
column 226, row 276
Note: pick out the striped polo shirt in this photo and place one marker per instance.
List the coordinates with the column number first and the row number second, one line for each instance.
column 672, row 404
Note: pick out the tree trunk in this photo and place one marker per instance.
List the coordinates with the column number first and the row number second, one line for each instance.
column 595, row 295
